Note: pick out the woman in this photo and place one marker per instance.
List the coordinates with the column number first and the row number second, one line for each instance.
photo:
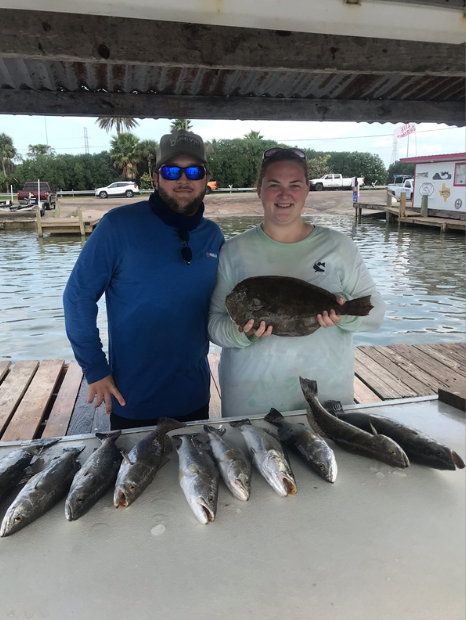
column 257, row 369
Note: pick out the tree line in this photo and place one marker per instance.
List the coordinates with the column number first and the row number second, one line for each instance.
column 232, row 162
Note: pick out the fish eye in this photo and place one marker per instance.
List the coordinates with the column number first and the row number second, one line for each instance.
column 132, row 487
column 79, row 500
column 18, row 518
column 321, row 466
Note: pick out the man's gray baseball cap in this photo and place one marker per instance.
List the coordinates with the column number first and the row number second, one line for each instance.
column 181, row 142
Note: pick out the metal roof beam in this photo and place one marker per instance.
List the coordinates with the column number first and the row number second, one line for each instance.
column 113, row 40
column 84, row 103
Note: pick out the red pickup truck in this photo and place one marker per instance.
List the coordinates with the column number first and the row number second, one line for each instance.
column 29, row 192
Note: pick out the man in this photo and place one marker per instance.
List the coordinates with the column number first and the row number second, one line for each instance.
column 156, row 263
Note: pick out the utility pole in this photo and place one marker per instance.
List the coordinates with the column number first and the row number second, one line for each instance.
column 86, row 141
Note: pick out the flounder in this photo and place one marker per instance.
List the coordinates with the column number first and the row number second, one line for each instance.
column 290, row 305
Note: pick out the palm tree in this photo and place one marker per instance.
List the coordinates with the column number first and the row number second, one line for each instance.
column 147, row 150
column 253, row 135
column 39, row 149
column 7, row 152
column 125, row 154
column 121, row 123
column 180, row 123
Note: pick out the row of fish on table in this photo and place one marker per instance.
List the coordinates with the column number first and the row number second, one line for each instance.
column 205, row 457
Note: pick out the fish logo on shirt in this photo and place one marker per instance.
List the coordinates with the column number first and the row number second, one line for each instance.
column 318, row 267
column 211, row 255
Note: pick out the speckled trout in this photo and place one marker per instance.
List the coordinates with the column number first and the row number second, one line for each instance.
column 198, row 475
column 268, row 457
column 348, row 436
column 14, row 464
column 419, row 447
column 139, row 467
column 305, row 442
column 232, row 463
column 95, row 477
column 42, row 491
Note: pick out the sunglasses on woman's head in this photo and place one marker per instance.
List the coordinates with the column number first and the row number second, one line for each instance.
column 294, row 152
column 173, row 173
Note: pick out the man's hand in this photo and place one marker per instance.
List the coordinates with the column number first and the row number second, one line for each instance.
column 101, row 391
column 329, row 319
column 261, row 332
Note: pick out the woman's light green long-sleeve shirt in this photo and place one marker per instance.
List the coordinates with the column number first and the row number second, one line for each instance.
column 263, row 373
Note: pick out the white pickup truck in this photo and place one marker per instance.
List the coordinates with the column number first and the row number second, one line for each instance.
column 406, row 187
column 334, row 181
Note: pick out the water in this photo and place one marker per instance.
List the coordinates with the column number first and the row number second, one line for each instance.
column 419, row 272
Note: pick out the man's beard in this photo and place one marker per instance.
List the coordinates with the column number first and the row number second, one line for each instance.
column 189, row 208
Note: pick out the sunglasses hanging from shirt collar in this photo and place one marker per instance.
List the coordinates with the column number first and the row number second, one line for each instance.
column 293, row 152
column 186, row 252
column 173, row 173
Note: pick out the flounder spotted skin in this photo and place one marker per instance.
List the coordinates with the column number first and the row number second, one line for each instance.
column 288, row 304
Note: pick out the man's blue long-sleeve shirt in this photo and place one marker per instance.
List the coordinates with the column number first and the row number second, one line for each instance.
column 157, row 309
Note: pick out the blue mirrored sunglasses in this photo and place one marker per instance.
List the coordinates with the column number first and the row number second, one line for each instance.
column 293, row 152
column 173, row 173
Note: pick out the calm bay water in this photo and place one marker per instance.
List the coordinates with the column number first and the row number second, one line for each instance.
column 419, row 272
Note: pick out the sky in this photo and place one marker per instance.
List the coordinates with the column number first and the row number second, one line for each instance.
column 67, row 135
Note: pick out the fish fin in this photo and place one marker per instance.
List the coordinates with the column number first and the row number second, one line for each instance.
column 333, row 406
column 374, row 432
column 271, row 433
column 239, row 423
column 273, row 416
column 314, row 425
column 457, row 460
column 110, row 435
column 213, row 429
column 357, row 307
column 125, row 456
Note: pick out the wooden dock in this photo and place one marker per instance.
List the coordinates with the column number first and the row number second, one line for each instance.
column 49, row 398
column 408, row 216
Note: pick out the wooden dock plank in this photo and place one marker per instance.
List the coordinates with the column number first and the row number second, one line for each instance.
column 383, row 384
column 362, row 393
column 456, row 350
column 13, row 388
column 441, row 376
column 452, row 362
column 30, row 412
column 4, row 366
column 85, row 417
column 62, row 410
column 398, row 367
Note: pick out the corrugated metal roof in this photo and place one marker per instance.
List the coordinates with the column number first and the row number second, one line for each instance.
column 45, row 75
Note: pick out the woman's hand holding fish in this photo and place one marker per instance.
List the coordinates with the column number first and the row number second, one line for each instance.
column 329, row 319
column 261, row 332
column 102, row 390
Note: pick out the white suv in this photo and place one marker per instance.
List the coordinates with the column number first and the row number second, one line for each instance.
column 120, row 188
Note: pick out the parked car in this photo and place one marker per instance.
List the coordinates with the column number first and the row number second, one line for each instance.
column 402, row 185
column 334, row 181
column 211, row 187
column 120, row 188
column 28, row 195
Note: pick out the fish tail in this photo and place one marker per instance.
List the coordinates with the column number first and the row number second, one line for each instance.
column 110, row 435
column 273, row 416
column 309, row 388
column 357, row 307
column 333, row 406
column 239, row 423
